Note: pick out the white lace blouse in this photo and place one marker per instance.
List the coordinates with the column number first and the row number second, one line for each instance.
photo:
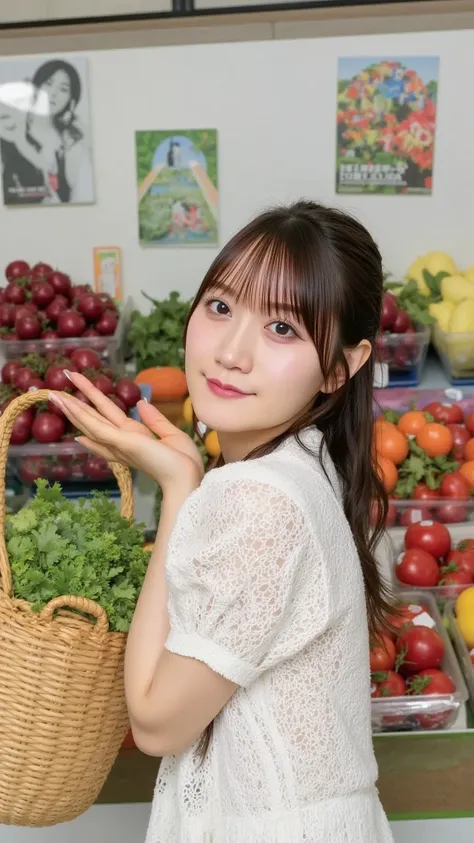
column 265, row 587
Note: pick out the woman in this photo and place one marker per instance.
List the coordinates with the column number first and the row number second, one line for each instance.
column 247, row 666
column 48, row 160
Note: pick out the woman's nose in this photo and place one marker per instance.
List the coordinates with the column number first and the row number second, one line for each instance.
column 235, row 350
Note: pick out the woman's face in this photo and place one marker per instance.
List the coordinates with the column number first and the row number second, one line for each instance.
column 58, row 91
column 248, row 371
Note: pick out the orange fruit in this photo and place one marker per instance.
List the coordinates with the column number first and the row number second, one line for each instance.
column 435, row 439
column 469, row 450
column 211, row 444
column 467, row 470
column 167, row 383
column 410, row 423
column 391, row 443
column 387, row 471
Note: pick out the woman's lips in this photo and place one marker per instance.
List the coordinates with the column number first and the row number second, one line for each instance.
column 225, row 390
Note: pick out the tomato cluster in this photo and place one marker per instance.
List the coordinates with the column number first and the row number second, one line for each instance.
column 40, row 303
column 408, row 663
column 47, row 424
column 430, row 561
column 426, row 456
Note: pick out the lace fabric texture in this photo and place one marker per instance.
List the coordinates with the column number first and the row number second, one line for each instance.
column 265, row 587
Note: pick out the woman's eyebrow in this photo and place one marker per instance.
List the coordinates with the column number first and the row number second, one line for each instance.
column 228, row 290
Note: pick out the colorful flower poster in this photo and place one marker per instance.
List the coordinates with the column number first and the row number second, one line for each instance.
column 386, row 119
column 177, row 187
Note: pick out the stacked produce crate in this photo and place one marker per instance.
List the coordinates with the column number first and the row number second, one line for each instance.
column 49, row 325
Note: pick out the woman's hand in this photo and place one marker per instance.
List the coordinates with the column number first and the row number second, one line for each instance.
column 172, row 460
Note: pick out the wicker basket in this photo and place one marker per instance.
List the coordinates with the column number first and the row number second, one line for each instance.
column 62, row 707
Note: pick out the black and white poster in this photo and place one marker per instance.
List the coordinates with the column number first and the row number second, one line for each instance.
column 45, row 143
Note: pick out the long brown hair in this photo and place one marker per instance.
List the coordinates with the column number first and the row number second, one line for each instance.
column 326, row 266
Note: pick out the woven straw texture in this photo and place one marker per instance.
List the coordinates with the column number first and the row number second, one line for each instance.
column 62, row 706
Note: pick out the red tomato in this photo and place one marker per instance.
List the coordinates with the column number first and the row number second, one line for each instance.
column 464, row 561
column 391, row 515
column 461, row 437
column 445, row 413
column 451, row 513
column 466, row 544
column 454, row 485
column 431, row 536
column 417, row 567
column 469, row 422
column 406, row 616
column 412, row 515
column 382, row 654
column 428, row 682
column 433, row 682
column 457, row 577
column 424, row 493
column 387, row 684
column 419, row 648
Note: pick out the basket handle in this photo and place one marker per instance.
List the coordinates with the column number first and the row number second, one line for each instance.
column 82, row 604
column 7, row 420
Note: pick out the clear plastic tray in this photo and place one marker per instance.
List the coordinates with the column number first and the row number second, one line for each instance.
column 441, row 593
column 403, row 399
column 111, row 349
column 66, row 461
column 456, row 352
column 448, row 511
column 423, row 712
column 404, row 354
column 461, row 649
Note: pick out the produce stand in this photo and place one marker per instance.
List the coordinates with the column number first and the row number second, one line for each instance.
column 422, row 776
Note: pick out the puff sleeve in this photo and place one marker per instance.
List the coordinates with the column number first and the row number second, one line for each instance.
column 241, row 581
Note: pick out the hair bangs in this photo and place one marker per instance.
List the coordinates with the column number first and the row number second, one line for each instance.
column 260, row 274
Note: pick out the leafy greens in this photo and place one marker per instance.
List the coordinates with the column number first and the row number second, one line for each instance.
column 85, row 548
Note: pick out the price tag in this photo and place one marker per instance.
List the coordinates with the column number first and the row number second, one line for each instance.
column 381, row 376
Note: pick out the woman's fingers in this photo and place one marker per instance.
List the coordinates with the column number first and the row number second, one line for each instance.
column 106, row 407
column 100, row 450
column 156, row 421
column 85, row 418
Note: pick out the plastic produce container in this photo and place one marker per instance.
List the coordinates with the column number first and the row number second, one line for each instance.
column 404, row 355
column 403, row 399
column 423, row 712
column 66, row 462
column 448, row 511
column 456, row 352
column 395, row 547
column 460, row 647
column 111, row 349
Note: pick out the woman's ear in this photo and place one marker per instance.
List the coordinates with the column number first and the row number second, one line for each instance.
column 356, row 358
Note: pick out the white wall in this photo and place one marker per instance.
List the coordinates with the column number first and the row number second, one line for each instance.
column 274, row 105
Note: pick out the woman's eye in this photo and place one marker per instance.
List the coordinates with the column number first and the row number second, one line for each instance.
column 281, row 329
column 219, row 307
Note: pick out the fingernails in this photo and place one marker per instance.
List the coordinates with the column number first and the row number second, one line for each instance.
column 68, row 374
column 55, row 399
column 145, row 399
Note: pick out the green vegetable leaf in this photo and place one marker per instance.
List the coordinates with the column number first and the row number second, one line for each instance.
column 57, row 546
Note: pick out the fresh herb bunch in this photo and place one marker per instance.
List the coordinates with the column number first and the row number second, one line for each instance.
column 57, row 546
column 156, row 339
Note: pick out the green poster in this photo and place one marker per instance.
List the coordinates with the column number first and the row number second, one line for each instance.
column 177, row 196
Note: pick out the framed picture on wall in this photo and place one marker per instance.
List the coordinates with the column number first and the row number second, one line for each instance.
column 45, row 144
column 177, row 196
column 386, row 121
